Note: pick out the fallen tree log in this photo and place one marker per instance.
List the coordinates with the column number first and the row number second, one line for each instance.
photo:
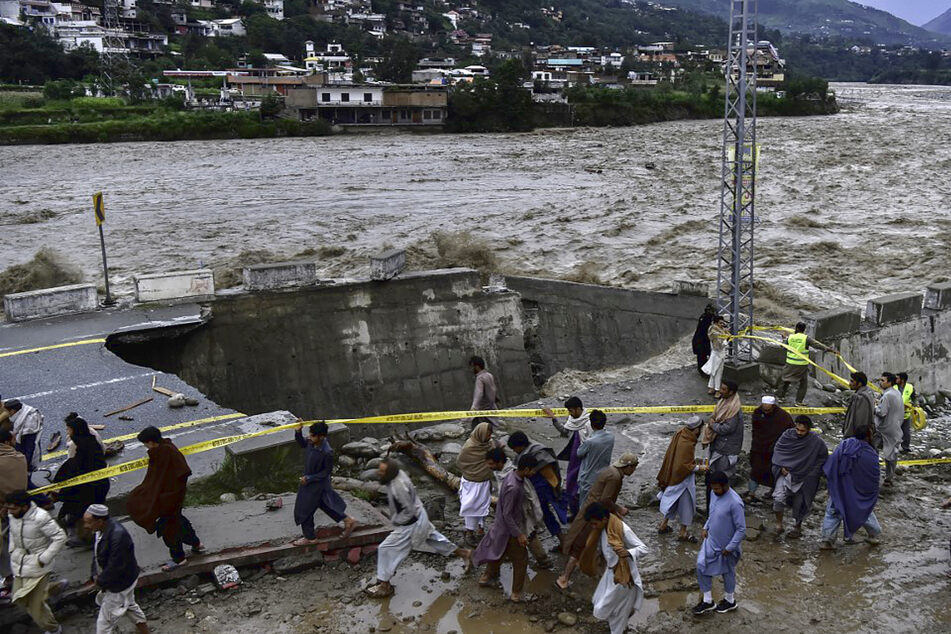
column 425, row 458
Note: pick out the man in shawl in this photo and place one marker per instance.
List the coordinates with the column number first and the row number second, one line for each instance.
column 861, row 409
column 156, row 504
column 546, row 480
column 889, row 414
column 315, row 490
column 484, row 392
column 721, row 547
column 723, row 433
column 506, row 539
column 718, row 336
column 87, row 456
column 578, row 429
column 769, row 423
column 620, row 592
column 852, row 472
column 595, row 453
column 114, row 571
column 412, row 530
column 798, row 458
column 27, row 425
column 678, row 490
column 701, row 339
column 475, row 485
column 605, row 491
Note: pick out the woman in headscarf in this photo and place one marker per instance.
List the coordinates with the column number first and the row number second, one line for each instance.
column 717, row 334
column 678, row 489
column 701, row 336
column 88, row 457
column 475, row 486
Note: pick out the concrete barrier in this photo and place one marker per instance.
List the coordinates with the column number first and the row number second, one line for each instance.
column 893, row 308
column 175, row 285
column 50, row 302
column 279, row 275
column 831, row 324
column 687, row 287
column 387, row 265
column 938, row 296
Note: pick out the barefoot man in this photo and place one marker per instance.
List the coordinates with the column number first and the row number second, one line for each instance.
column 315, row 490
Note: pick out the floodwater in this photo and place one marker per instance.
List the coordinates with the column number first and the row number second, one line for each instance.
column 849, row 206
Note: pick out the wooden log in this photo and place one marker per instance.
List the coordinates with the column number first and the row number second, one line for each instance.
column 425, row 458
column 128, row 407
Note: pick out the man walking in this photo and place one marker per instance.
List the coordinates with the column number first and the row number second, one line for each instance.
column 852, row 473
column 35, row 539
column 797, row 466
column 595, row 453
column 475, row 482
column 156, row 504
column 315, row 490
column 889, row 411
column 546, row 480
column 484, row 392
column 723, row 433
column 796, row 369
column 861, row 409
column 578, row 428
column 769, row 423
column 114, row 571
column 27, row 426
column 412, row 530
column 676, row 480
column 721, row 548
column 605, row 491
column 909, row 399
column 12, row 478
column 506, row 539
column 700, row 345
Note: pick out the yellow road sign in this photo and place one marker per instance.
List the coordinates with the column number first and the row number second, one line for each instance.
column 98, row 208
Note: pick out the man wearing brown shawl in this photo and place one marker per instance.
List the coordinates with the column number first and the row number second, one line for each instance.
column 605, row 491
column 678, row 490
column 769, row 423
column 156, row 504
column 475, row 485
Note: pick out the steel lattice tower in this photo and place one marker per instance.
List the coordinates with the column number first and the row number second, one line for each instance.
column 737, row 194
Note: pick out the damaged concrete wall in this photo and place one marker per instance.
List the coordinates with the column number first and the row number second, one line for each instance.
column 350, row 350
column 587, row 327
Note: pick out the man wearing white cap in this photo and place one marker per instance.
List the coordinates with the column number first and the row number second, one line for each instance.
column 769, row 423
column 115, row 571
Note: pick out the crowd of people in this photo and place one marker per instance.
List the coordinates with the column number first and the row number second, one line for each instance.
column 580, row 510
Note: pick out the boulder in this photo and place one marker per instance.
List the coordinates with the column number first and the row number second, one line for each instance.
column 370, row 475
column 228, row 498
column 360, row 449
column 346, row 462
column 451, row 447
column 176, row 400
column 373, row 463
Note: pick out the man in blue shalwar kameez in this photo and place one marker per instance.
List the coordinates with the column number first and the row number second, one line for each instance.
column 315, row 491
column 721, row 548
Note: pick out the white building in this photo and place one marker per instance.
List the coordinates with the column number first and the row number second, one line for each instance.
column 228, row 27
column 127, row 9
column 334, row 61
column 274, row 8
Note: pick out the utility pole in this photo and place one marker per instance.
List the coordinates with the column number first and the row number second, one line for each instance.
column 738, row 188
column 99, row 210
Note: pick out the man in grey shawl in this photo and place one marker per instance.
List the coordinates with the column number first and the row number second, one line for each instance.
column 889, row 414
column 861, row 406
column 798, row 457
column 412, row 530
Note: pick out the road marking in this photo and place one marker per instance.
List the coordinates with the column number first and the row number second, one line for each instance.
column 84, row 342
column 27, row 397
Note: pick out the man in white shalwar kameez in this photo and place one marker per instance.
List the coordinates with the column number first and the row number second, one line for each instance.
column 889, row 415
column 620, row 592
column 412, row 530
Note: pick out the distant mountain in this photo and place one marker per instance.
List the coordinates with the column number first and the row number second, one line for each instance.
column 941, row 24
column 828, row 18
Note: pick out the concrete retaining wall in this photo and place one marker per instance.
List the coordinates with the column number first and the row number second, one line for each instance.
column 587, row 327
column 175, row 286
column 279, row 275
column 50, row 302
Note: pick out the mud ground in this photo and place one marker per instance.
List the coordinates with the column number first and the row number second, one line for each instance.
column 784, row 585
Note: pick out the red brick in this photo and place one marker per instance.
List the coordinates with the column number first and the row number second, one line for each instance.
column 353, row 555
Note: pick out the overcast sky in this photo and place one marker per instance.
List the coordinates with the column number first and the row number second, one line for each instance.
column 915, row 11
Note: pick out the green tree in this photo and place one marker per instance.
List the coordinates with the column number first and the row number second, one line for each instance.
column 400, row 57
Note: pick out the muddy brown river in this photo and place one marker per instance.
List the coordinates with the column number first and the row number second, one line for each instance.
column 850, row 206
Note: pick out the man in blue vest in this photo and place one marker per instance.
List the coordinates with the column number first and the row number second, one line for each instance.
column 797, row 367
column 909, row 398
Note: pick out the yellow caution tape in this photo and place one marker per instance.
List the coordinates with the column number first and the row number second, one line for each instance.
column 191, row 423
column 70, row 344
column 923, row 462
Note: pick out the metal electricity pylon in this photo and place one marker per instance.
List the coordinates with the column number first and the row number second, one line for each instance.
column 737, row 194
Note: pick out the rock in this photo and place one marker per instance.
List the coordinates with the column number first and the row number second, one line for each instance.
column 373, row 463
column 829, row 387
column 386, row 624
column 248, row 493
column 945, row 393
column 451, row 447
column 191, row 582
column 346, row 461
column 176, row 401
column 567, row 618
column 205, row 588
column 417, row 604
column 298, row 562
column 934, row 452
column 228, row 498
column 445, row 576
column 370, row 475
column 191, row 401
column 436, row 508
column 189, row 614
column 360, row 450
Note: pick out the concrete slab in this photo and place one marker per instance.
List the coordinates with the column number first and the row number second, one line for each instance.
column 690, row 287
column 938, row 296
column 889, row 309
column 387, row 265
column 50, row 302
column 832, row 324
column 175, row 286
column 279, row 275
column 745, row 374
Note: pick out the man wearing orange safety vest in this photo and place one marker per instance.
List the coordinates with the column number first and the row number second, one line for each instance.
column 909, row 398
column 797, row 368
